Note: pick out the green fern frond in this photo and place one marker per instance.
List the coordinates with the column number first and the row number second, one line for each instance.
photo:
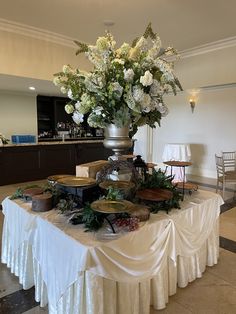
column 177, row 82
column 149, row 32
column 173, row 87
column 59, row 74
column 82, row 47
column 134, row 42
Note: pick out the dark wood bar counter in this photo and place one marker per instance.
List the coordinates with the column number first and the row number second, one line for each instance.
column 28, row 162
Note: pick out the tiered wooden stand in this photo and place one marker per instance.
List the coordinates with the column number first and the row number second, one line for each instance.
column 182, row 185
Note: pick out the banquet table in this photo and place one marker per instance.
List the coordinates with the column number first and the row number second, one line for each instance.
column 82, row 272
column 177, row 152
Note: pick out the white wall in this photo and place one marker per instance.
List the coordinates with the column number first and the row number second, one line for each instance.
column 209, row 130
column 212, row 68
column 25, row 56
column 140, row 145
column 18, row 114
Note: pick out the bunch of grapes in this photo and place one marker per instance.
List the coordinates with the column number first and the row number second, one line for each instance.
column 130, row 224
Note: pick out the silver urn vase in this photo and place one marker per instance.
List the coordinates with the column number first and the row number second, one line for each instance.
column 117, row 139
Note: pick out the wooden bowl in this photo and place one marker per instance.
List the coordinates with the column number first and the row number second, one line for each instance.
column 32, row 191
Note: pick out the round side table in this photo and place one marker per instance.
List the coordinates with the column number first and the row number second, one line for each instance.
column 183, row 165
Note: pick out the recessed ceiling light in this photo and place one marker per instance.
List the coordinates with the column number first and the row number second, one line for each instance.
column 108, row 23
column 32, row 88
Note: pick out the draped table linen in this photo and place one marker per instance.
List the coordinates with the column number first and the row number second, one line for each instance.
column 75, row 272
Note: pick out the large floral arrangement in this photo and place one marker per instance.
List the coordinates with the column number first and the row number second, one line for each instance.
column 3, row 139
column 126, row 85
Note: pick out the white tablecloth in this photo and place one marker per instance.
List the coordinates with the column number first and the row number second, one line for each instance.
column 177, row 152
column 76, row 273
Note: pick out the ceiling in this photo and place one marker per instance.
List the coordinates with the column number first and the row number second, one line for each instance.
column 16, row 84
column 183, row 24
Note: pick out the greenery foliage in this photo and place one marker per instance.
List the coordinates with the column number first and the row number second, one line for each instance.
column 56, row 193
column 92, row 220
column 66, row 204
column 19, row 193
column 114, row 194
column 159, row 179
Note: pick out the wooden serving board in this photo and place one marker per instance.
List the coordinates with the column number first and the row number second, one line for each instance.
column 155, row 194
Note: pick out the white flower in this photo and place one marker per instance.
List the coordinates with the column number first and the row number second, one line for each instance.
column 85, row 104
column 137, row 93
column 134, row 53
column 157, row 43
column 146, row 102
column 165, row 113
column 77, row 105
column 56, row 80
column 162, row 108
column 168, row 76
column 3, row 139
column 78, row 117
column 102, row 43
column 142, row 44
column 117, row 60
column 123, row 51
column 153, row 104
column 97, row 110
column 170, row 51
column 154, row 51
column 166, row 70
column 155, row 88
column 100, row 82
column 70, row 94
column 69, row 108
column 117, row 90
column 63, row 90
column 128, row 75
column 66, row 69
column 147, row 79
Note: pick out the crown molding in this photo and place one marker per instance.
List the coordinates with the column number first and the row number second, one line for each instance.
column 35, row 32
column 191, row 91
column 42, row 34
column 217, row 87
column 213, row 46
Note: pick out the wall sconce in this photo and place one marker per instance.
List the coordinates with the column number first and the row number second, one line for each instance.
column 192, row 104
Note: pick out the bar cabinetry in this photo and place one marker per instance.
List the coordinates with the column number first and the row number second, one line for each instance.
column 50, row 111
column 21, row 163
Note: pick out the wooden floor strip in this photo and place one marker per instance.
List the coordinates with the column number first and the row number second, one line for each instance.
column 227, row 244
column 18, row 302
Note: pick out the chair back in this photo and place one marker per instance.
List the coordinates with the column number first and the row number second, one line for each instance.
column 226, row 174
column 219, row 165
column 229, row 159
